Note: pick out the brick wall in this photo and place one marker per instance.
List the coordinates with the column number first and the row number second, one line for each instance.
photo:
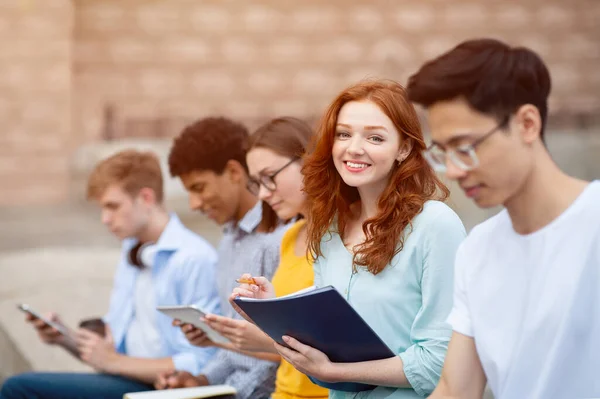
column 143, row 68
column 252, row 60
column 35, row 104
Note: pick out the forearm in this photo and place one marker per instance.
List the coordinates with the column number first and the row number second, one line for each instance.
column 442, row 392
column 271, row 356
column 386, row 372
column 144, row 370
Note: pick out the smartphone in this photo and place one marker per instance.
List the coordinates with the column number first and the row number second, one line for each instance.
column 27, row 309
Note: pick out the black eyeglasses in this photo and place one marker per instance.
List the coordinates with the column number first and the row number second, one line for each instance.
column 267, row 181
column 464, row 157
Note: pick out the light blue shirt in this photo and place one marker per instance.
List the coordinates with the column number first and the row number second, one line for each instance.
column 183, row 273
column 406, row 304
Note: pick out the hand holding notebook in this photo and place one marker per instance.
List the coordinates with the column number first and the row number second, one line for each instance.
column 322, row 319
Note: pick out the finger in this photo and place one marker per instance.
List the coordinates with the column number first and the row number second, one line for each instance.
column 85, row 340
column 50, row 332
column 226, row 321
column 262, row 282
column 176, row 322
column 195, row 332
column 46, row 329
column 244, row 291
column 159, row 384
column 240, row 311
column 84, row 350
column 223, row 329
column 186, row 328
column 297, row 345
column 216, row 326
column 52, row 317
column 195, row 337
column 38, row 323
column 173, row 381
column 287, row 353
column 86, row 334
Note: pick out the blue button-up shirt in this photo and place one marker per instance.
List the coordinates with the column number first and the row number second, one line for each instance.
column 183, row 273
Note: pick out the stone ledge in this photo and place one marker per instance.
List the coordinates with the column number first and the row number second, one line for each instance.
column 12, row 361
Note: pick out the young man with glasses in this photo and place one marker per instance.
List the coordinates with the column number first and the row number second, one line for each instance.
column 526, row 313
column 209, row 157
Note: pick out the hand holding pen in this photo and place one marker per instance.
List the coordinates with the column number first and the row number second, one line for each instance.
column 251, row 287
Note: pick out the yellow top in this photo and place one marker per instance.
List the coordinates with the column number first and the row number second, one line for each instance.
column 293, row 274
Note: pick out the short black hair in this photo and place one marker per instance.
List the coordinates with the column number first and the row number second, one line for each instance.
column 493, row 77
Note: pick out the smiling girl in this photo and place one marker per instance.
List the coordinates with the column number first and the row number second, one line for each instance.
column 379, row 234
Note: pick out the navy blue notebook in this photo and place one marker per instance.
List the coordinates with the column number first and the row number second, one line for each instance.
column 322, row 319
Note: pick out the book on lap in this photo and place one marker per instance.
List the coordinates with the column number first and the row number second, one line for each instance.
column 324, row 320
column 214, row 391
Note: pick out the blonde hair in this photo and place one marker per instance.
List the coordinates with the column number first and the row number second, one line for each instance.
column 132, row 170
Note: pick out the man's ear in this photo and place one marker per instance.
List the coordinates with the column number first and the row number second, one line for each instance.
column 529, row 122
column 234, row 171
column 147, row 195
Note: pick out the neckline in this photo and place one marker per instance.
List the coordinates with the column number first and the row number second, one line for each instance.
column 557, row 220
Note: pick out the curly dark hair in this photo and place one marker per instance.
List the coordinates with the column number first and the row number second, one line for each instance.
column 208, row 144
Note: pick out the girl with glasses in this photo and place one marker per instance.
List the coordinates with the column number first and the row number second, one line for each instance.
column 274, row 164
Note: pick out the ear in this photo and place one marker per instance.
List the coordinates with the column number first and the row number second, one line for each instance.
column 235, row 171
column 147, row 195
column 529, row 123
column 405, row 148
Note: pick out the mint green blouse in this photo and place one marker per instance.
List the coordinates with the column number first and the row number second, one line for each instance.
column 408, row 302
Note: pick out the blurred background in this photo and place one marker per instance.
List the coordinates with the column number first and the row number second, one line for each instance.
column 81, row 79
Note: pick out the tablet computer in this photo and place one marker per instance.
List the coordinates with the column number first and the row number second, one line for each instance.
column 191, row 314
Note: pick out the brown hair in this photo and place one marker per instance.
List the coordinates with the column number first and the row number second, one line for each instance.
column 207, row 145
column 287, row 136
column 494, row 78
column 132, row 170
column 410, row 185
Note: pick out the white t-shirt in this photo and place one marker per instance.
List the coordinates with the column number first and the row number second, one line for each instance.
column 143, row 337
column 532, row 303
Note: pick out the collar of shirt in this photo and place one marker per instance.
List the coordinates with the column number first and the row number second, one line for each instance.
column 248, row 223
column 170, row 241
column 170, row 238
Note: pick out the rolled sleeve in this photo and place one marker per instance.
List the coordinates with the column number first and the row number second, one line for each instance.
column 190, row 362
column 430, row 332
column 422, row 366
column 258, row 382
column 219, row 368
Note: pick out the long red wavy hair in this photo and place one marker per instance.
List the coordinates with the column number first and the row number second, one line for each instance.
column 410, row 184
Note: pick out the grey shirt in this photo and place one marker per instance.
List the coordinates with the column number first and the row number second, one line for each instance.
column 244, row 250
